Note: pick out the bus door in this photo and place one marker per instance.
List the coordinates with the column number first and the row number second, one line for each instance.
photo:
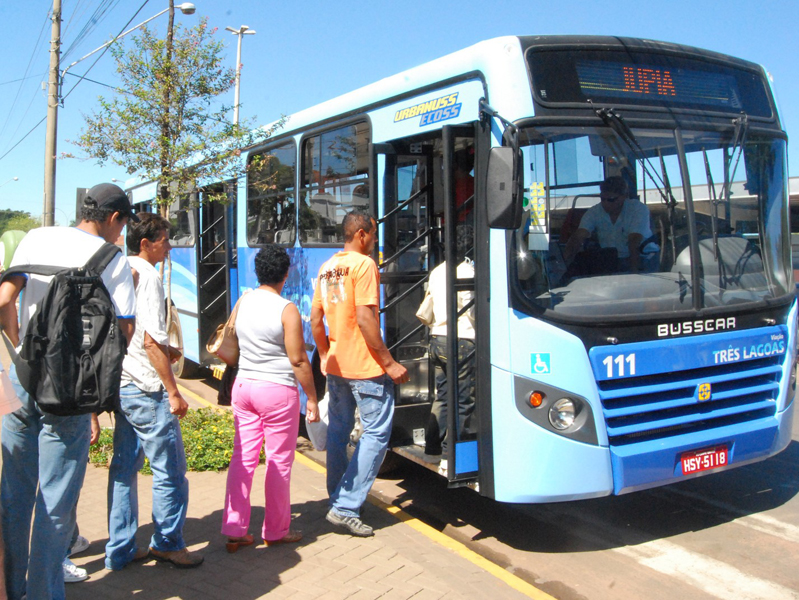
column 417, row 214
column 215, row 257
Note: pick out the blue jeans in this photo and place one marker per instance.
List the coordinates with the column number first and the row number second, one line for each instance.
column 144, row 426
column 349, row 481
column 53, row 452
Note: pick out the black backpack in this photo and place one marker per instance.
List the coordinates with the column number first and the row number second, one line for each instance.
column 71, row 356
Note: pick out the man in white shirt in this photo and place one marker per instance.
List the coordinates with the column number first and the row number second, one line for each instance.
column 436, row 438
column 150, row 405
column 619, row 222
column 40, row 448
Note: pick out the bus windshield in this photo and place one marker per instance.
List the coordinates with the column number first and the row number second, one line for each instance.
column 704, row 221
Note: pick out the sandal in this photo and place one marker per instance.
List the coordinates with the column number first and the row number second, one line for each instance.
column 292, row 537
column 233, row 543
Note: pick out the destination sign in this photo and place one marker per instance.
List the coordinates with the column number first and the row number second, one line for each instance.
column 647, row 79
column 620, row 80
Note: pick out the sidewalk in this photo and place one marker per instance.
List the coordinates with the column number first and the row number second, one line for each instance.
column 397, row 563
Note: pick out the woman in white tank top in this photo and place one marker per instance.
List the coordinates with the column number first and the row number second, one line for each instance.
column 266, row 403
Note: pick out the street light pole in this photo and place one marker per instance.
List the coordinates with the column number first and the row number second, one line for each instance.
column 54, row 99
column 240, row 32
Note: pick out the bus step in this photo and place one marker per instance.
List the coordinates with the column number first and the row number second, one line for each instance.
column 416, row 454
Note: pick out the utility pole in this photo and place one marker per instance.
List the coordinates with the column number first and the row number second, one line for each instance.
column 48, row 213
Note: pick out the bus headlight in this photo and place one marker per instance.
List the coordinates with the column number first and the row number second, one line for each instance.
column 562, row 414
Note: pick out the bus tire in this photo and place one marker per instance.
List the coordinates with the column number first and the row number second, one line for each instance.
column 183, row 367
column 8, row 245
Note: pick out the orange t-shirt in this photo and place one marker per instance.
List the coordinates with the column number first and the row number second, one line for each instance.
column 347, row 280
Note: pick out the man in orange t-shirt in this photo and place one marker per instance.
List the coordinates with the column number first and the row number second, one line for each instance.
column 360, row 370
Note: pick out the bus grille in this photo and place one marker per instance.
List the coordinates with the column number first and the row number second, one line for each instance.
column 659, row 406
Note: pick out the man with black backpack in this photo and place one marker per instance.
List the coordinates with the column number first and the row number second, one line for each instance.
column 46, row 443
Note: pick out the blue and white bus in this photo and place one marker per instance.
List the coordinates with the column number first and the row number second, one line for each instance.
column 591, row 379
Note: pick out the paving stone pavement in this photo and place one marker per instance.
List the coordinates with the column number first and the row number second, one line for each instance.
column 398, row 563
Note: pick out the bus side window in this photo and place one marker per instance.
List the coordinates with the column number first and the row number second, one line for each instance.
column 335, row 172
column 271, row 196
column 181, row 217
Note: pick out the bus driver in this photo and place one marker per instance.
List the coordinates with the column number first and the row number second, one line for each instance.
column 620, row 222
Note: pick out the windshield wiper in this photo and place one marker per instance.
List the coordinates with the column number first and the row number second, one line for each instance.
column 739, row 137
column 616, row 123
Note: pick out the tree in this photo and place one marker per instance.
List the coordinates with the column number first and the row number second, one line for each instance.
column 17, row 220
column 166, row 122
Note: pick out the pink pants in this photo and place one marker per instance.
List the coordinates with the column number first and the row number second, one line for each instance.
column 268, row 412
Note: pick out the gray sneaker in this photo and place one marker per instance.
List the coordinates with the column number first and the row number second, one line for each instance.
column 73, row 573
column 353, row 524
column 80, row 545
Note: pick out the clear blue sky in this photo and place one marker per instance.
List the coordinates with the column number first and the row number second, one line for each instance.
column 308, row 51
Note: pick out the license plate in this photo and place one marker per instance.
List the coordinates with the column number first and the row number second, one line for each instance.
column 704, row 460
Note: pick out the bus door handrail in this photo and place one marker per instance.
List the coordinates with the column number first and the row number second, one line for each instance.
column 466, row 204
column 213, row 276
column 212, row 251
column 214, row 301
column 408, row 336
column 212, row 225
column 403, row 204
column 404, row 294
column 402, row 250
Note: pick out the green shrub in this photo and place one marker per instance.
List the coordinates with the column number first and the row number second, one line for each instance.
column 207, row 436
column 100, row 454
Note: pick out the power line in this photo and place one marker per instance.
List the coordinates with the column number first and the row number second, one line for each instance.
column 99, row 83
column 104, row 51
column 82, row 77
column 25, row 76
column 96, row 18
column 18, row 80
column 23, row 137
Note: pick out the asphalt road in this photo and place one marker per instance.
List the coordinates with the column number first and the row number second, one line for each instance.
column 731, row 535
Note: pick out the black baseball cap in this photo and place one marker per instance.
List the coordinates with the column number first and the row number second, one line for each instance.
column 108, row 195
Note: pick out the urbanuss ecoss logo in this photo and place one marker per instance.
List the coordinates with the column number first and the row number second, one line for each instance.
column 432, row 111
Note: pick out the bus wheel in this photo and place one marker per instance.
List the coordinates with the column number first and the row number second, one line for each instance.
column 183, row 367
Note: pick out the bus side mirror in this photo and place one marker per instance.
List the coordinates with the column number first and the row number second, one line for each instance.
column 503, row 200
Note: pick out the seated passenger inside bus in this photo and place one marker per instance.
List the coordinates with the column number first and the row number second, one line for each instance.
column 621, row 223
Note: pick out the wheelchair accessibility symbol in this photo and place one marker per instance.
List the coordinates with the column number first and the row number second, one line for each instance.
column 540, row 363
column 704, row 392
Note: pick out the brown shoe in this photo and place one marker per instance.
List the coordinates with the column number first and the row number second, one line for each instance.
column 182, row 559
column 141, row 554
column 292, row 537
column 233, row 543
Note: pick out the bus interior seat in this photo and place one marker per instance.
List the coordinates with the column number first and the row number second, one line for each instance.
column 571, row 223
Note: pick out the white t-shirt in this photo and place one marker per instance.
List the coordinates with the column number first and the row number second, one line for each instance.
column 259, row 327
column 69, row 247
column 634, row 218
column 437, row 286
column 151, row 318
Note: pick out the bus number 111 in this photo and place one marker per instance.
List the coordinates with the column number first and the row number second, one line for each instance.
column 620, row 360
